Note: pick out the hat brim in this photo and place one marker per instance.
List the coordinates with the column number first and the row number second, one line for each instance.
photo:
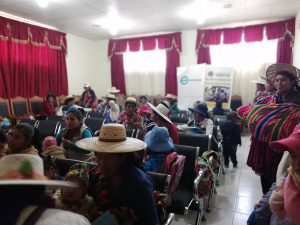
column 258, row 81
column 199, row 111
column 50, row 183
column 93, row 144
column 280, row 67
column 116, row 91
column 287, row 144
column 159, row 112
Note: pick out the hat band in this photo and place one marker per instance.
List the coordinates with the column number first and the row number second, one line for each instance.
column 112, row 140
column 13, row 175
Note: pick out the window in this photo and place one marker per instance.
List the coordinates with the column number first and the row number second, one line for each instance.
column 145, row 72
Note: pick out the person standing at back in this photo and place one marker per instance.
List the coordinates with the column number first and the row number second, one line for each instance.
column 88, row 98
column 231, row 133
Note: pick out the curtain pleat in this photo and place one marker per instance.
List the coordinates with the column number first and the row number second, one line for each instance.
column 32, row 60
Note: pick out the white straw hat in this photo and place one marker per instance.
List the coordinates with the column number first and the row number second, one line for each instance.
column 161, row 110
column 26, row 169
column 113, row 90
column 112, row 139
column 260, row 80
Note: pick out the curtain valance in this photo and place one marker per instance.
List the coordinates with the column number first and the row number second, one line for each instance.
column 276, row 30
column 21, row 32
column 165, row 41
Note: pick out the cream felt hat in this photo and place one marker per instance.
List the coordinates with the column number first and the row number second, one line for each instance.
column 113, row 90
column 161, row 110
column 112, row 139
column 26, row 169
column 86, row 85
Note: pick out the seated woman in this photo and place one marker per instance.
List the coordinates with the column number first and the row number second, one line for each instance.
column 123, row 192
column 130, row 118
column 112, row 110
column 285, row 200
column 159, row 145
column 21, row 139
column 48, row 107
column 23, row 196
column 159, row 115
column 75, row 130
column 201, row 121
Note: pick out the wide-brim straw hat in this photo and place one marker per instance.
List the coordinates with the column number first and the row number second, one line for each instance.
column 111, row 96
column 260, row 80
column 112, row 139
column 26, row 169
column 161, row 110
column 113, row 90
column 274, row 69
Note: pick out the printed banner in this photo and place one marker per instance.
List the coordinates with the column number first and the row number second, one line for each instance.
column 218, row 86
column 190, row 85
column 206, row 83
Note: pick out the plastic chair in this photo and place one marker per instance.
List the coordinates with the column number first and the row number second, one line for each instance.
column 63, row 165
column 33, row 123
column 177, row 119
column 93, row 123
column 55, row 118
column 185, row 195
column 19, row 107
column 203, row 141
column 48, row 128
column 4, row 108
column 35, row 105
column 161, row 183
column 95, row 114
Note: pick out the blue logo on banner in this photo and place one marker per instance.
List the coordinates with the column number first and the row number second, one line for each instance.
column 184, row 80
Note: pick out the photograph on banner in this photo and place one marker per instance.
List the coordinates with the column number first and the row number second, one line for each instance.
column 218, row 86
column 190, row 85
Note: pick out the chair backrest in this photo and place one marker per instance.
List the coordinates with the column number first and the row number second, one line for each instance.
column 4, row 108
column 189, row 173
column 93, row 123
column 174, row 165
column 34, row 123
column 179, row 119
column 48, row 128
column 95, row 114
column 19, row 106
column 160, row 181
column 203, row 141
column 35, row 104
column 130, row 132
column 63, row 165
column 56, row 118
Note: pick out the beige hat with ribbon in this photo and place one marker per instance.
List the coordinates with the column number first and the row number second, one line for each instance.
column 161, row 110
column 112, row 139
column 26, row 169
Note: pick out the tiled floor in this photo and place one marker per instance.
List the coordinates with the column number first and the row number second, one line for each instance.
column 237, row 193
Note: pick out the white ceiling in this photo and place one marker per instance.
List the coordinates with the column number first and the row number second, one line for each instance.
column 149, row 16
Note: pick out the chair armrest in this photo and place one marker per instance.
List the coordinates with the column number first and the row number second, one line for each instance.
column 197, row 181
column 170, row 219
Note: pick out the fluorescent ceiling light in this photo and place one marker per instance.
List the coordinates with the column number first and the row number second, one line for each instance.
column 4, row 14
column 114, row 22
column 42, row 3
column 201, row 10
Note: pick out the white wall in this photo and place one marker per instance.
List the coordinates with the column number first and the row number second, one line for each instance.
column 87, row 62
column 296, row 53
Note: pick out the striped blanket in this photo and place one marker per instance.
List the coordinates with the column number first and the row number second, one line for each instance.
column 270, row 122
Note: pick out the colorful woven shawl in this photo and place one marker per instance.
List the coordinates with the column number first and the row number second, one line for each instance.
column 270, row 122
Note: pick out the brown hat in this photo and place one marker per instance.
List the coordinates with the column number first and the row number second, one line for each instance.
column 274, row 69
column 112, row 139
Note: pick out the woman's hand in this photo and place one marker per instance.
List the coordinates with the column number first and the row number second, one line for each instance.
column 66, row 143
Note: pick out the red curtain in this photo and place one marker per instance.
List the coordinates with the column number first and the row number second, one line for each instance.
column 32, row 60
column 170, row 42
column 282, row 30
